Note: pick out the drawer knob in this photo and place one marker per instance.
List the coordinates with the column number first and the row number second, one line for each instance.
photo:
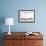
column 33, row 42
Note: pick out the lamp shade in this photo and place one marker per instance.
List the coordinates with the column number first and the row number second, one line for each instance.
column 9, row 21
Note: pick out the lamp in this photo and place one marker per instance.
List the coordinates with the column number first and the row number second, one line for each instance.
column 9, row 21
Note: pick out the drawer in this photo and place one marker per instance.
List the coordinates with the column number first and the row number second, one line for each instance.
column 33, row 37
column 9, row 43
column 37, row 43
column 16, row 37
column 33, row 43
column 13, row 43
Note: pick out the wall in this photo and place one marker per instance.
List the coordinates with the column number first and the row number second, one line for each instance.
column 9, row 8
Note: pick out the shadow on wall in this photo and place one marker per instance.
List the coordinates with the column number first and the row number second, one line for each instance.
column 2, row 21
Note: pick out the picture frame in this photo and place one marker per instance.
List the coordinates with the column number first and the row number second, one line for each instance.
column 26, row 16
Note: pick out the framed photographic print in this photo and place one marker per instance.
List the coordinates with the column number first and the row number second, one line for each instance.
column 26, row 16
